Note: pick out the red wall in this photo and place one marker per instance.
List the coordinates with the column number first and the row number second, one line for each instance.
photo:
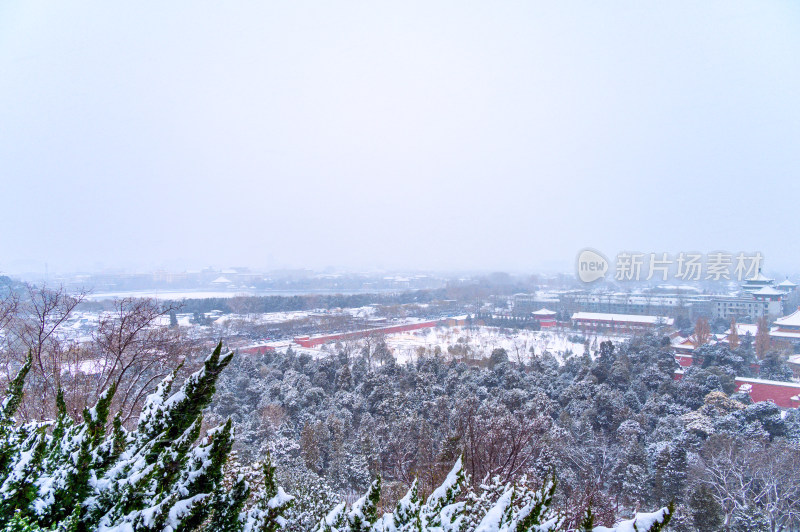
column 319, row 340
column 256, row 349
column 779, row 393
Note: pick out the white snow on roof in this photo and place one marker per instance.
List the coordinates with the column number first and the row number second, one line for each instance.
column 792, row 320
column 221, row 280
column 743, row 329
column 767, row 291
column 771, row 383
column 759, row 277
column 544, row 312
column 786, row 283
column 775, row 333
column 628, row 318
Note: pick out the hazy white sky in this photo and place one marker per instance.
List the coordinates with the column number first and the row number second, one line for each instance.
column 489, row 135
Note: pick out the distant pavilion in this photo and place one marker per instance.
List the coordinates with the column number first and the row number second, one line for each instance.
column 546, row 317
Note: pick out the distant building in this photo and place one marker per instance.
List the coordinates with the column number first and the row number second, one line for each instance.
column 757, row 282
column 787, row 328
column 786, row 286
column 759, row 297
column 646, row 303
column 791, row 298
column 546, row 318
column 684, row 350
column 598, row 321
column 742, row 330
column 524, row 304
column 794, row 363
column 727, row 307
column 768, row 293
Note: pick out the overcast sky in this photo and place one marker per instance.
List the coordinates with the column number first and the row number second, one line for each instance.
column 432, row 135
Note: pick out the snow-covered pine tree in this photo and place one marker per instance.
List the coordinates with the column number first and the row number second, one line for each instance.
column 268, row 514
column 587, row 523
column 536, row 513
column 73, row 453
column 406, row 514
column 362, row 517
column 479, row 502
column 335, row 520
column 162, row 478
column 440, row 512
column 441, row 509
column 9, row 435
column 313, row 497
column 227, row 507
column 501, row 507
column 642, row 522
column 499, row 516
column 158, row 477
column 521, row 508
column 364, row 511
column 21, row 452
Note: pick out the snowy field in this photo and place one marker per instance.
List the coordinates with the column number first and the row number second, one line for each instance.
column 479, row 342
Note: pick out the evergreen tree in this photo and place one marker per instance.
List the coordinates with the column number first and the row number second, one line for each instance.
column 158, row 477
column 510, row 507
column 774, row 367
column 440, row 508
column 706, row 512
column 407, row 513
column 365, row 510
column 269, row 514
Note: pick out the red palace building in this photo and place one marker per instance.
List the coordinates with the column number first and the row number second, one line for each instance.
column 599, row 321
column 546, row 318
column 787, row 328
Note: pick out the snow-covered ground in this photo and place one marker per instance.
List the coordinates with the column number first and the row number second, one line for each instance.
column 479, row 342
column 474, row 343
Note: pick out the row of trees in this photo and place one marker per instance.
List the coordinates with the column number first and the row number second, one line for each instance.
column 260, row 304
column 760, row 344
